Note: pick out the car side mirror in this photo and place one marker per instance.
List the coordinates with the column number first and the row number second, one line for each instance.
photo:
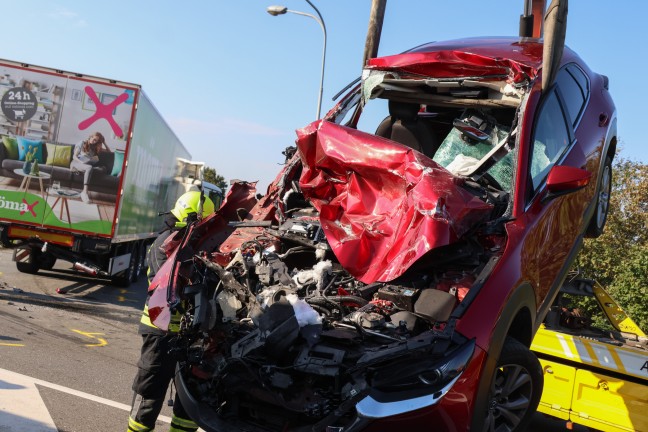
column 563, row 180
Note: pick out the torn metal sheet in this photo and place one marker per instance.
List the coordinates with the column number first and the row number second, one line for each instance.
column 462, row 64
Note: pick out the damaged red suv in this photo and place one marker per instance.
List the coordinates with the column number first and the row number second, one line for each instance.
column 395, row 272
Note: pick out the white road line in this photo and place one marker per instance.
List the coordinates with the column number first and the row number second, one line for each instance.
column 20, row 402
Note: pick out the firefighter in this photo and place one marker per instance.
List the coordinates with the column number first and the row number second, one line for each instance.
column 156, row 366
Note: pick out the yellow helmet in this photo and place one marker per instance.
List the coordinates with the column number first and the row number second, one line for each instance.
column 188, row 203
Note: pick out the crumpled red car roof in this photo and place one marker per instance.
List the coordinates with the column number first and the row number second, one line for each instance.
column 515, row 58
column 382, row 205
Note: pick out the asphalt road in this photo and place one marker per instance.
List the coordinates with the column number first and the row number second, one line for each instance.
column 67, row 360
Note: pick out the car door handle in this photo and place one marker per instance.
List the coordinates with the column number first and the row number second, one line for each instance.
column 603, row 119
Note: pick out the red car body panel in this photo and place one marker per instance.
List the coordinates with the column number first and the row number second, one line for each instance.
column 468, row 58
column 452, row 415
column 382, row 209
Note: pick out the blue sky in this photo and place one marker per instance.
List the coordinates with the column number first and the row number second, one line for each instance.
column 234, row 82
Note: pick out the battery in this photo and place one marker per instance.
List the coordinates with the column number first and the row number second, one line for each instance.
column 403, row 297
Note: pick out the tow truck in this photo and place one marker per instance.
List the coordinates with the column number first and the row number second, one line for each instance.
column 595, row 364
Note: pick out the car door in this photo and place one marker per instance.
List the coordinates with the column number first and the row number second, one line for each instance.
column 553, row 225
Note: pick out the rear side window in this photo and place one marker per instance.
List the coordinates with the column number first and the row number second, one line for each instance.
column 550, row 140
column 573, row 88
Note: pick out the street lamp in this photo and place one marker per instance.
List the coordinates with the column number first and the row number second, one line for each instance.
column 282, row 10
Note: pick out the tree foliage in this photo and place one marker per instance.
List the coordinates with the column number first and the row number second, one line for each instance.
column 618, row 259
column 210, row 175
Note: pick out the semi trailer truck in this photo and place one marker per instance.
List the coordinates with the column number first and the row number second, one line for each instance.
column 99, row 214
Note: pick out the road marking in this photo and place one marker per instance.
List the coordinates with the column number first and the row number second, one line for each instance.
column 21, row 407
column 11, row 344
column 102, row 341
column 27, row 407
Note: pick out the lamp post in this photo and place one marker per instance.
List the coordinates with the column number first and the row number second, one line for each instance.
column 282, row 10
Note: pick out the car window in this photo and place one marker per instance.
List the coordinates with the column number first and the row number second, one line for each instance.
column 580, row 77
column 572, row 94
column 549, row 141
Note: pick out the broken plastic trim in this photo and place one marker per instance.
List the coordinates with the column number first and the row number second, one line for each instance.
column 451, row 370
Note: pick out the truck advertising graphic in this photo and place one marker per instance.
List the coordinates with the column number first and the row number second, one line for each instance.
column 86, row 164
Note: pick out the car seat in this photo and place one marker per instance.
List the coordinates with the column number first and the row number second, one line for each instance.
column 404, row 126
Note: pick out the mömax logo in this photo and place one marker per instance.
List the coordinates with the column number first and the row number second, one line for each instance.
column 22, row 207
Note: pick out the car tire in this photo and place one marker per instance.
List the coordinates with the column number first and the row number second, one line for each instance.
column 515, row 389
column 597, row 223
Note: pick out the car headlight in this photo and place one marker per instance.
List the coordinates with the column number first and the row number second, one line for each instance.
column 413, row 384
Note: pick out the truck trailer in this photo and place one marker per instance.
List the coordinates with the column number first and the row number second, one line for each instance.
column 50, row 208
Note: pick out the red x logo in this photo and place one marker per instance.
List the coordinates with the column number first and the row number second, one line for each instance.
column 103, row 111
column 30, row 208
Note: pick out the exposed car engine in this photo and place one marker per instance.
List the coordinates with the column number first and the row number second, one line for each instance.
column 285, row 337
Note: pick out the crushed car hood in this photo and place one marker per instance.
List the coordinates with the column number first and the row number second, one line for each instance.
column 382, row 205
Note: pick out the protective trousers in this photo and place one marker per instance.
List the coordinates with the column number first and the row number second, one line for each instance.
column 156, row 369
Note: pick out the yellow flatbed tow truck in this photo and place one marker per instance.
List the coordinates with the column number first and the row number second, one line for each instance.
column 595, row 370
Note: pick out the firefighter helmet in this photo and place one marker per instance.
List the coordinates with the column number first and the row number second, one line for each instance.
column 188, row 203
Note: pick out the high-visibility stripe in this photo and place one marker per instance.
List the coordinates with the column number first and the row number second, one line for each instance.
column 60, row 239
column 617, row 360
column 583, row 352
column 179, row 424
column 603, row 356
column 174, row 324
column 620, row 359
column 565, row 346
column 134, row 426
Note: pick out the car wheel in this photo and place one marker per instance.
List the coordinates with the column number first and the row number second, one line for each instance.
column 515, row 389
column 597, row 223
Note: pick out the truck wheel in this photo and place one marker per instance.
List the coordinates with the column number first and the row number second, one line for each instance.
column 4, row 239
column 125, row 278
column 47, row 261
column 32, row 265
column 597, row 223
column 136, row 255
column 515, row 389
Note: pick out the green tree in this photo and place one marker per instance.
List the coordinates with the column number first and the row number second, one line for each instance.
column 210, row 175
column 618, row 259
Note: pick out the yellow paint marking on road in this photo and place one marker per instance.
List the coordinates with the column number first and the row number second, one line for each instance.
column 11, row 344
column 122, row 298
column 102, row 341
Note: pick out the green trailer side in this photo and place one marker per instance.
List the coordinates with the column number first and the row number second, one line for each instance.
column 44, row 214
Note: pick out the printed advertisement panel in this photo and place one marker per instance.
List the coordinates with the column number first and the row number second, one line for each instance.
column 62, row 146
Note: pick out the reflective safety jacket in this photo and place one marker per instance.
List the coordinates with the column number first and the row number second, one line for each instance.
column 156, row 258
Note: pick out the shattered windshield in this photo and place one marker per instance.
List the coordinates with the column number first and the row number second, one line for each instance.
column 460, row 156
column 436, row 118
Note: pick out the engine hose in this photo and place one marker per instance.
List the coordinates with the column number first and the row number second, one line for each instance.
column 337, row 300
column 321, row 310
